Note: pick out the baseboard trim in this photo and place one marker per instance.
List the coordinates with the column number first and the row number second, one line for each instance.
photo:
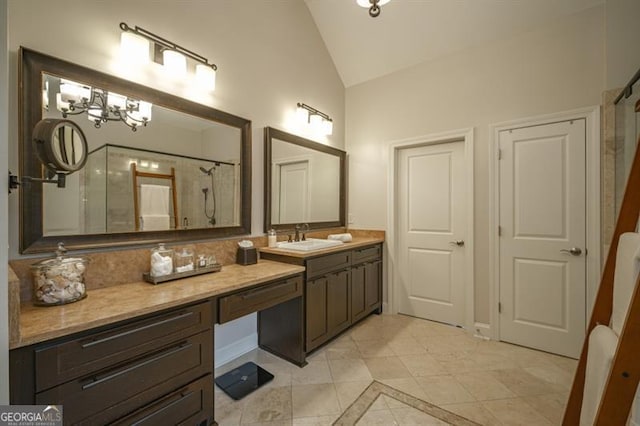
column 482, row 330
column 234, row 350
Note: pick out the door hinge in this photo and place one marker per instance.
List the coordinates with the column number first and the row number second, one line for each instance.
column 499, row 307
column 499, row 231
column 499, row 154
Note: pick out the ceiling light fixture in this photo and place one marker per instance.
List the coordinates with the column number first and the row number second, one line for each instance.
column 100, row 105
column 373, row 5
column 172, row 56
column 317, row 120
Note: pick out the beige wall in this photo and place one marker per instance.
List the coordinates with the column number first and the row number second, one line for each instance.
column 556, row 68
column 4, row 243
column 269, row 55
column 623, row 33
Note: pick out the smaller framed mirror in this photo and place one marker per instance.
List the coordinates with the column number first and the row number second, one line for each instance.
column 305, row 182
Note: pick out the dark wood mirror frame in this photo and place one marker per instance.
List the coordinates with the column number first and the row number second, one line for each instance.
column 31, row 67
column 269, row 134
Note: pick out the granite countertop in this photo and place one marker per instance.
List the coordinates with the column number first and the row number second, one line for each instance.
column 121, row 302
column 355, row 243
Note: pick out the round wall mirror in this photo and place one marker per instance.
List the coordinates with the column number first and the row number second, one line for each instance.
column 60, row 145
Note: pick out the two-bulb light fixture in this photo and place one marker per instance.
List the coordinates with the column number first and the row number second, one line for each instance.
column 139, row 45
column 100, row 105
column 319, row 122
column 373, row 5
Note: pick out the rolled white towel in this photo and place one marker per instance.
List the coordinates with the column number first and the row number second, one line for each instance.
column 345, row 238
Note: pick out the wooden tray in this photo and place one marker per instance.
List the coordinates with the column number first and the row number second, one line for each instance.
column 216, row 267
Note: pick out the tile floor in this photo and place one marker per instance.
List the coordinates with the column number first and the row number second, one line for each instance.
column 491, row 383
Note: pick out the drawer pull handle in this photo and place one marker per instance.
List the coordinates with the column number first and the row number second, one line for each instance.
column 96, row 381
column 136, row 330
column 149, row 416
column 261, row 291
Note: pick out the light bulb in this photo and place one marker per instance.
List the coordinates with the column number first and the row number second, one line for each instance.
column 175, row 63
column 69, row 91
column 115, row 100
column 134, row 48
column 316, row 123
column 302, row 115
column 94, row 115
column 144, row 110
column 60, row 104
column 206, row 77
column 327, row 127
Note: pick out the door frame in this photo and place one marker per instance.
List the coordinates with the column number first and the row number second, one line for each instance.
column 591, row 115
column 467, row 137
column 275, row 172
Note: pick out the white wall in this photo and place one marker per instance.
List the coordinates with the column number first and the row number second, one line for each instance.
column 269, row 55
column 4, row 242
column 555, row 68
column 623, row 33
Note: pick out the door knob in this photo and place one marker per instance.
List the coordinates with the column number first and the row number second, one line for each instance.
column 574, row 251
column 459, row 243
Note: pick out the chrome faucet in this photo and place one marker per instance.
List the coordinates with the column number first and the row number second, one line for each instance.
column 297, row 236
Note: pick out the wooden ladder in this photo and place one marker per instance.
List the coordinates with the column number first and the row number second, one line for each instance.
column 618, row 394
column 172, row 177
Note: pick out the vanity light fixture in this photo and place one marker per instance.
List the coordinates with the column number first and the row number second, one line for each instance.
column 171, row 56
column 373, row 5
column 319, row 121
column 100, row 105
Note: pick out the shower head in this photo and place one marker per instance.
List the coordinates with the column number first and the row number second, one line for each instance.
column 207, row 172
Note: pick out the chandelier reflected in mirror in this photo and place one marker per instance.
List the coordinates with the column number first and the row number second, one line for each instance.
column 373, row 5
column 101, row 106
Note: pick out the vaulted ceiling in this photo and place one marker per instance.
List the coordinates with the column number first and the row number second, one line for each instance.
column 409, row 32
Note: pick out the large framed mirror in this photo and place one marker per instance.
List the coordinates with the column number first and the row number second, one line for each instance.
column 305, row 182
column 183, row 174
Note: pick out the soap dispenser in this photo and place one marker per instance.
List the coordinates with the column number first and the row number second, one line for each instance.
column 272, row 238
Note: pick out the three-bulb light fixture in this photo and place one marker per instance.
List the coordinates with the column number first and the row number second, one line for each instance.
column 373, row 5
column 100, row 105
column 139, row 45
column 319, row 122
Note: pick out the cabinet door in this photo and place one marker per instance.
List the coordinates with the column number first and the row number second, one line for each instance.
column 338, row 301
column 373, row 285
column 358, row 305
column 316, row 306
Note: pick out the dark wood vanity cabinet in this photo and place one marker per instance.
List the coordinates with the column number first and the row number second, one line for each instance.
column 149, row 370
column 340, row 289
column 366, row 282
column 279, row 305
column 328, row 307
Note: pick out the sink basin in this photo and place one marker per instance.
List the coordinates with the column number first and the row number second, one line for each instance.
column 309, row 244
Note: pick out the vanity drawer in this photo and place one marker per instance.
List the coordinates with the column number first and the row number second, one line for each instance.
column 259, row 298
column 328, row 263
column 109, row 394
column 367, row 254
column 68, row 360
column 190, row 405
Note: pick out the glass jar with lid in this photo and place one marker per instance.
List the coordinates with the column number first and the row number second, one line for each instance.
column 59, row 280
column 161, row 261
column 184, row 260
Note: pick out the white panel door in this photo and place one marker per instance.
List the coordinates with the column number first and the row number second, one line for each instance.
column 294, row 192
column 432, row 229
column 542, row 246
